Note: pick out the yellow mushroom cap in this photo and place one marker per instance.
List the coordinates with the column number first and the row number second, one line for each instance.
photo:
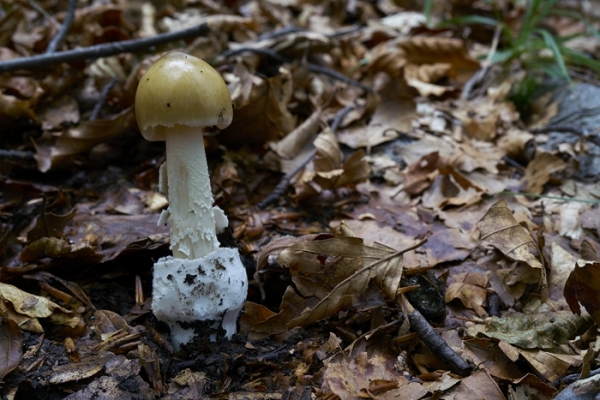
column 180, row 89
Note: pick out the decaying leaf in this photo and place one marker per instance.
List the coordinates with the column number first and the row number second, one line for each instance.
column 82, row 370
column 533, row 331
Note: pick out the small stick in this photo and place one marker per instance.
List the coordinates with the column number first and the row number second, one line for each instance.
column 43, row 12
column 318, row 69
column 102, row 99
column 102, row 50
column 57, row 40
column 475, row 79
column 280, row 32
column 16, row 155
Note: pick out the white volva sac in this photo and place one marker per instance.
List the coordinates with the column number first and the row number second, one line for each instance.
column 212, row 288
column 176, row 98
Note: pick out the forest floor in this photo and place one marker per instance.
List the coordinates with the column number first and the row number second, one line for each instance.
column 413, row 193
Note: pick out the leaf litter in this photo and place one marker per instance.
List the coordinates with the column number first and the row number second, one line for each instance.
column 414, row 205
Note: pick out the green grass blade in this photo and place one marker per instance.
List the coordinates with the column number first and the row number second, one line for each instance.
column 553, row 46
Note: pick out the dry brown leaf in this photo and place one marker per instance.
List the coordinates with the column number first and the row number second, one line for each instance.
column 450, row 187
column 265, row 116
column 419, row 174
column 533, row 331
column 45, row 247
column 385, row 272
column 393, row 115
column 86, row 368
column 486, row 354
column 583, row 287
column 358, row 377
column 540, row 170
column 328, row 171
column 27, row 308
column 61, row 112
column 479, row 386
column 50, row 225
column 82, row 138
column 291, row 145
column 470, row 289
column 500, row 229
column 11, row 346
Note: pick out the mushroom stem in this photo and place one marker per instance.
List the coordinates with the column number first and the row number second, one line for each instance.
column 190, row 196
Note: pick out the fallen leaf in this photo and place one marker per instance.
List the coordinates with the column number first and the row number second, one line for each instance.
column 470, row 289
column 583, row 287
column 11, row 343
column 27, row 308
column 500, row 229
column 532, row 331
column 540, row 170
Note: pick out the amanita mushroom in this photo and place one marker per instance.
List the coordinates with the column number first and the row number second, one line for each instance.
column 176, row 98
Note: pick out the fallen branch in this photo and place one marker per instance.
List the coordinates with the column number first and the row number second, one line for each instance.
column 62, row 32
column 102, row 99
column 102, row 50
column 434, row 341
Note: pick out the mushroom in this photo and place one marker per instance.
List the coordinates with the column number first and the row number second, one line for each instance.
column 176, row 98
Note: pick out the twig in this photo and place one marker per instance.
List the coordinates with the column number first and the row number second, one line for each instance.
column 280, row 32
column 43, row 12
column 311, row 67
column 102, row 50
column 284, row 182
column 16, row 155
column 582, row 133
column 102, row 99
column 339, row 117
column 57, row 40
column 561, row 128
column 468, row 88
column 543, row 196
column 437, row 345
column 287, row 178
